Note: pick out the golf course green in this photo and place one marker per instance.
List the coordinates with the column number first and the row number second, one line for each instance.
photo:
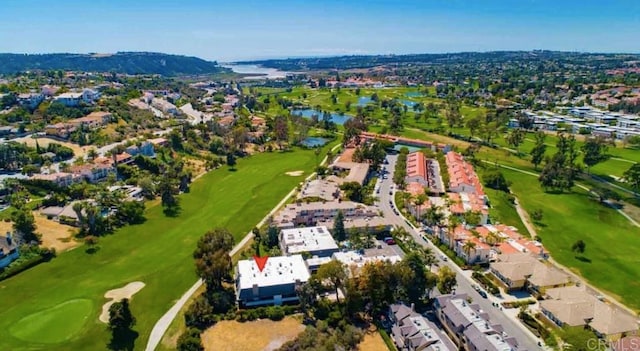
column 55, row 305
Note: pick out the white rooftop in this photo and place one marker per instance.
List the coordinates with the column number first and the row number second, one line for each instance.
column 308, row 239
column 279, row 270
column 351, row 258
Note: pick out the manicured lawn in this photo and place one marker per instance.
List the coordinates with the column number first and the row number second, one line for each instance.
column 611, row 261
column 157, row 253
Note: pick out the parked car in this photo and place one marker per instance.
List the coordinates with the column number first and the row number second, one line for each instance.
column 389, row 241
column 482, row 293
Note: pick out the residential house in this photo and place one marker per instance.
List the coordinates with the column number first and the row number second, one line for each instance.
column 469, row 326
column 478, row 252
column 524, row 271
column 462, row 177
column 165, row 106
column 93, row 120
column 323, row 189
column 159, row 141
column 316, row 241
column 8, row 250
column 424, row 171
column 462, row 203
column 93, row 172
column 30, row 100
column 60, row 179
column 145, row 149
column 411, row 331
column 309, row 214
column 60, row 130
column 574, row 306
column 131, row 193
column 269, row 280
column 358, row 172
column 70, row 99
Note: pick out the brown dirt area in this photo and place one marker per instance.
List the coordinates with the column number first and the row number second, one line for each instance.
column 347, row 155
column 372, row 342
column 251, row 336
column 54, row 234
column 44, row 142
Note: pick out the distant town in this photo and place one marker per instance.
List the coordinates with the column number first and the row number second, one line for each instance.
column 473, row 201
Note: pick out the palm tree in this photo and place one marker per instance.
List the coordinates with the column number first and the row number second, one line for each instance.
column 453, row 222
column 467, row 248
column 418, row 201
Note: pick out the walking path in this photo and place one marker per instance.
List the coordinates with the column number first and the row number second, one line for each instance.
column 631, row 220
column 524, row 217
column 164, row 322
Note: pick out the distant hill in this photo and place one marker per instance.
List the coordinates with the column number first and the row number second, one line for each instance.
column 365, row 61
column 121, row 62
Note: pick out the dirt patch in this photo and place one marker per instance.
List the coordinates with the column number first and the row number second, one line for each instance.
column 347, row 155
column 6, row 227
column 295, row 173
column 54, row 234
column 44, row 142
column 372, row 342
column 126, row 292
column 265, row 335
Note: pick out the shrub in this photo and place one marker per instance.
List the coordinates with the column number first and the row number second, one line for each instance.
column 275, row 313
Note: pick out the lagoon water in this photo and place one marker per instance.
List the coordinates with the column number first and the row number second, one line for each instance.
column 314, row 141
column 308, row 113
column 259, row 71
column 363, row 100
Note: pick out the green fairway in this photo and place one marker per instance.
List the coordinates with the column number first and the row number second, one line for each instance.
column 610, row 261
column 158, row 253
column 54, row 325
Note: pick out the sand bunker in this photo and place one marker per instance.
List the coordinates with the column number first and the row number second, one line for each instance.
column 125, row 292
column 295, row 173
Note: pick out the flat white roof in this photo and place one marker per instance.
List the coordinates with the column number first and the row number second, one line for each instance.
column 350, row 258
column 279, row 270
column 307, row 239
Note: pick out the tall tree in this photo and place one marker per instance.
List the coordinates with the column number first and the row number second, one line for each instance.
column 415, row 279
column 474, row 125
column 595, row 151
column 333, row 272
column 25, row 224
column 515, row 138
column 537, row 153
column 578, row 247
column 339, row 233
column 632, row 176
column 213, row 262
column 446, row 280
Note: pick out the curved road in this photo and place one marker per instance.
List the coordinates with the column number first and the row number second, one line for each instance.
column 511, row 326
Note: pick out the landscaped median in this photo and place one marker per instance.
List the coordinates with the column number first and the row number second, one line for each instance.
column 157, row 253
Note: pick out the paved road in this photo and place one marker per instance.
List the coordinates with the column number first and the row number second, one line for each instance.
column 164, row 322
column 513, row 328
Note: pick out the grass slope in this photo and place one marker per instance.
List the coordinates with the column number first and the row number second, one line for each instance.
column 157, row 253
column 610, row 261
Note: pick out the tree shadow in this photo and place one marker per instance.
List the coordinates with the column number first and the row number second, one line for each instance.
column 232, row 169
column 92, row 250
column 172, row 211
column 123, row 340
column 540, row 224
column 583, row 259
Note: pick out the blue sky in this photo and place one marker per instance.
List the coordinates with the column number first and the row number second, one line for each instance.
column 236, row 30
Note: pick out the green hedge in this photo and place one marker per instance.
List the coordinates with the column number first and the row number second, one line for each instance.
column 486, row 283
column 387, row 339
column 27, row 260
